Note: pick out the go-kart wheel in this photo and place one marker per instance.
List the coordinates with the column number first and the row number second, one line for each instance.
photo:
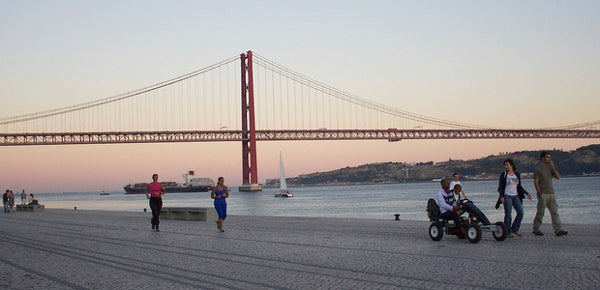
column 500, row 233
column 436, row 231
column 474, row 233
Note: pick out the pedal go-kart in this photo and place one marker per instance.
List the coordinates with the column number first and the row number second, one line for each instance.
column 469, row 227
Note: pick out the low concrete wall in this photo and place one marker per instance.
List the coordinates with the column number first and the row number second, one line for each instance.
column 189, row 213
column 32, row 208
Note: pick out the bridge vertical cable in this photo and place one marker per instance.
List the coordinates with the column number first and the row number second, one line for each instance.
column 351, row 111
column 174, row 105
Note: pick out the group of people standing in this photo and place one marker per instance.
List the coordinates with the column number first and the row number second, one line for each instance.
column 154, row 192
column 511, row 194
column 8, row 199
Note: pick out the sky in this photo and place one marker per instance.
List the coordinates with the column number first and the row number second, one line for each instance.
column 512, row 64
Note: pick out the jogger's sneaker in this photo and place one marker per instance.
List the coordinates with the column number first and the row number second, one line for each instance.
column 517, row 233
column 537, row 233
column 561, row 233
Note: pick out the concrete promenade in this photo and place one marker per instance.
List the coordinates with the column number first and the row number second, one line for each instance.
column 75, row 249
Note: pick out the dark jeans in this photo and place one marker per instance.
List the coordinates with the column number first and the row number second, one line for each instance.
column 471, row 208
column 451, row 215
column 155, row 206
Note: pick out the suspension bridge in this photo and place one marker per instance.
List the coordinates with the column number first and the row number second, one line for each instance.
column 246, row 98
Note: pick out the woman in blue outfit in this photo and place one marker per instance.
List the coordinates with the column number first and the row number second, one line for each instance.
column 219, row 193
column 511, row 195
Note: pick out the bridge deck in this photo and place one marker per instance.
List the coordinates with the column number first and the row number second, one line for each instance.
column 8, row 139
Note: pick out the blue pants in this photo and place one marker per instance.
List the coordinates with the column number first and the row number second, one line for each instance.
column 6, row 207
column 221, row 207
column 511, row 201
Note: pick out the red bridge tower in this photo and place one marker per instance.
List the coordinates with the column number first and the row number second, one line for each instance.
column 249, row 164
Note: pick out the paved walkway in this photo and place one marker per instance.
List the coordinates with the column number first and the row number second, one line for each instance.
column 62, row 249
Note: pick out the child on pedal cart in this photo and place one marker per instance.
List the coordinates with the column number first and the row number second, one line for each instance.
column 451, row 209
column 469, row 207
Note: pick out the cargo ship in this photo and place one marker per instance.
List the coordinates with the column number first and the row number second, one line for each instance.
column 191, row 183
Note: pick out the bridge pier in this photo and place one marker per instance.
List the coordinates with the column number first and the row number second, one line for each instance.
column 249, row 163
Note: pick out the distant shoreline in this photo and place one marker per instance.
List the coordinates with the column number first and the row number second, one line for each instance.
column 583, row 161
column 269, row 186
column 411, row 181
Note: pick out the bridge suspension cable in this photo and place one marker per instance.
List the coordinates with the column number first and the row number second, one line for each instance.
column 594, row 125
column 112, row 99
column 347, row 97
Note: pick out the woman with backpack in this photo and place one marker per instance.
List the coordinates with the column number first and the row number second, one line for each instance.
column 511, row 195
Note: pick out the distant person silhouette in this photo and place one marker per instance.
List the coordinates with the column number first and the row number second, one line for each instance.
column 11, row 201
column 23, row 197
column 32, row 200
column 5, row 200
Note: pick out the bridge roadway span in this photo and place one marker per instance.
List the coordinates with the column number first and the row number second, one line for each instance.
column 78, row 249
column 15, row 139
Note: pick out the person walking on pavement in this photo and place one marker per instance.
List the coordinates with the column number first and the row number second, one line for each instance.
column 511, row 195
column 542, row 180
column 154, row 192
column 219, row 193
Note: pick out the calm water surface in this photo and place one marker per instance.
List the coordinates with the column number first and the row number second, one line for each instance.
column 578, row 199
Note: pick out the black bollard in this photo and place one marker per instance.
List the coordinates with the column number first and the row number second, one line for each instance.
column 75, row 208
column 144, row 209
column 397, row 216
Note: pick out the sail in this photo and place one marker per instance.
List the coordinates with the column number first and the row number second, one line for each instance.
column 282, row 182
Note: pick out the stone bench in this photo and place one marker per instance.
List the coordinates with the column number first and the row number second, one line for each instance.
column 189, row 213
column 30, row 207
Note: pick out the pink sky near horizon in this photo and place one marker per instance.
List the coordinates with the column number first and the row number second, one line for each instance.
column 526, row 64
column 92, row 168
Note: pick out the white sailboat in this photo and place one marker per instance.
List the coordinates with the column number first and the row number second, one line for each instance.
column 283, row 191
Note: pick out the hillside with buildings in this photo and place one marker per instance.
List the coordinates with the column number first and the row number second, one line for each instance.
column 583, row 161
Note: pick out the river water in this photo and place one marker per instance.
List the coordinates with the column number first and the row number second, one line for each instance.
column 578, row 199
